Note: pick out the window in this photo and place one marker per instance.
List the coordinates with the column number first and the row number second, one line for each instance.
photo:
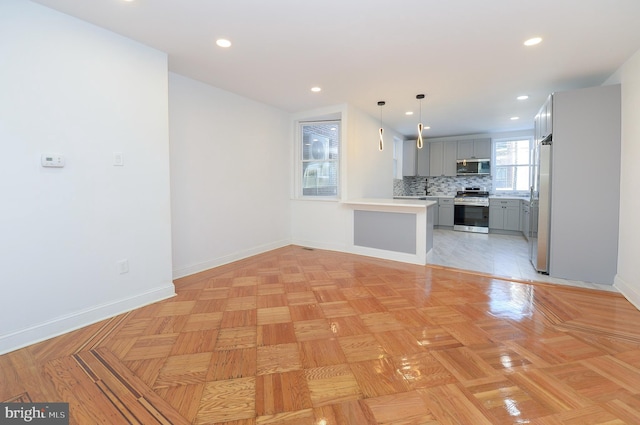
column 320, row 154
column 512, row 165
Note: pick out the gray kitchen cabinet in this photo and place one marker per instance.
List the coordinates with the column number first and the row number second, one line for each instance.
column 436, row 150
column 525, row 217
column 445, row 212
column 423, row 160
column 477, row 148
column 449, row 159
column 496, row 216
column 442, row 158
column 409, row 156
column 544, row 119
column 482, row 148
column 415, row 162
column 512, row 217
column 436, row 216
column 465, row 149
column 586, row 151
column 504, row 214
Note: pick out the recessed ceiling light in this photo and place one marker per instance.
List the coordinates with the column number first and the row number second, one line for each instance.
column 514, row 118
column 523, row 97
column 223, row 42
column 426, row 127
column 409, row 113
column 533, row 41
column 316, row 89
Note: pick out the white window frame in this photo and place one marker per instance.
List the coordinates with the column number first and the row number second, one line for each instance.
column 494, row 165
column 300, row 161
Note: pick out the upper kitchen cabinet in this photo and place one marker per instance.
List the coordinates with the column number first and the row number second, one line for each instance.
column 478, row 148
column 543, row 122
column 423, row 161
column 415, row 162
column 442, row 158
column 409, row 156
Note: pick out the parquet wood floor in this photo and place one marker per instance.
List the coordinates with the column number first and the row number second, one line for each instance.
column 312, row 337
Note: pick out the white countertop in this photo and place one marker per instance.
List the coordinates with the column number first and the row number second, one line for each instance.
column 423, row 196
column 520, row 198
column 386, row 202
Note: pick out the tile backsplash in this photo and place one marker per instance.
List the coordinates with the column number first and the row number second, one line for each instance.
column 438, row 186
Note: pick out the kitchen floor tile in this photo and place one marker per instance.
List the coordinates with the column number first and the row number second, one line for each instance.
column 496, row 254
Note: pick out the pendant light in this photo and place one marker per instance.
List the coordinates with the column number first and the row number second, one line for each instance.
column 380, row 130
column 419, row 142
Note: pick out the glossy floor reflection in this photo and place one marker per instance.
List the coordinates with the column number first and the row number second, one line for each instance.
column 499, row 255
column 312, row 337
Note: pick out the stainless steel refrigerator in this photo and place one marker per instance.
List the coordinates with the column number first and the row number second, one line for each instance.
column 540, row 205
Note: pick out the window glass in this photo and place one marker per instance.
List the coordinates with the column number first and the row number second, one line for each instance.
column 320, row 151
column 512, row 165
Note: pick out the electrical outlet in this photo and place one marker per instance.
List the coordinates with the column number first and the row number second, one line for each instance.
column 123, row 266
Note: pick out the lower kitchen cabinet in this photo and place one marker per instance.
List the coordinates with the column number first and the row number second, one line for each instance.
column 524, row 219
column 436, row 209
column 504, row 214
column 445, row 212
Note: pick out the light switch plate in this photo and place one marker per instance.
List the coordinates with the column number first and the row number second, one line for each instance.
column 118, row 158
column 52, row 160
column 123, row 266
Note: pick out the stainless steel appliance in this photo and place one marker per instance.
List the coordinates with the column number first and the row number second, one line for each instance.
column 471, row 210
column 473, row 167
column 540, row 206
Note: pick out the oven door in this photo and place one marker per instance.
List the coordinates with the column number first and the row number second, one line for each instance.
column 471, row 218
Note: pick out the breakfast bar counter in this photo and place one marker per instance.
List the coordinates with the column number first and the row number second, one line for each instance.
column 393, row 229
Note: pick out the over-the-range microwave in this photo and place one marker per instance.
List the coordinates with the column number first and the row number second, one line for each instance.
column 473, row 167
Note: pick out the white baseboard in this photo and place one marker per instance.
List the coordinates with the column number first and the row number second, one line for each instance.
column 367, row 252
column 390, row 255
column 320, row 245
column 220, row 261
column 630, row 292
column 70, row 322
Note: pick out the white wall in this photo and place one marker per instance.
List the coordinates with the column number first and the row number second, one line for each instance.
column 230, row 171
column 365, row 173
column 370, row 173
column 627, row 280
column 72, row 88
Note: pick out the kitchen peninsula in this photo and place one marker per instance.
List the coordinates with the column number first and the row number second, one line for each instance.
column 393, row 229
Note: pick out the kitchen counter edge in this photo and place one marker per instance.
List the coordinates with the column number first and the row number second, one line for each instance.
column 387, row 202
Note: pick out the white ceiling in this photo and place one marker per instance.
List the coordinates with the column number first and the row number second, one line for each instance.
column 467, row 56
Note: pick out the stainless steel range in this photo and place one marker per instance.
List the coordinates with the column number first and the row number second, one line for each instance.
column 471, row 210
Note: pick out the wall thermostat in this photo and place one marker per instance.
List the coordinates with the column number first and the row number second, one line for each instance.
column 52, row 160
